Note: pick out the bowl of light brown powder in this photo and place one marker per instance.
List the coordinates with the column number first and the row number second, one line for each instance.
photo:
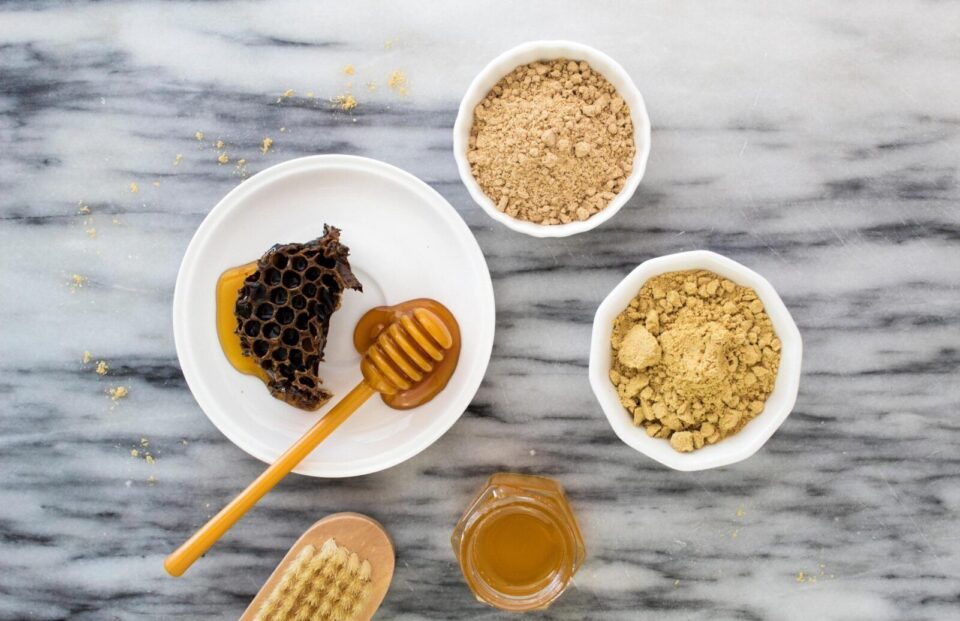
column 552, row 138
column 695, row 360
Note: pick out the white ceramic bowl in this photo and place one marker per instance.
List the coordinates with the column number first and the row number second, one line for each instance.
column 729, row 450
column 546, row 50
column 405, row 242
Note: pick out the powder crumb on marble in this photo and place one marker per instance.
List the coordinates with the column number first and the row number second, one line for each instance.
column 102, row 368
column 87, row 357
column 345, row 102
column 222, row 159
column 77, row 282
column 118, row 392
column 265, row 145
column 695, row 358
column 198, row 136
column 134, row 188
column 82, row 209
column 219, row 144
column 541, row 145
column 349, row 70
column 91, row 232
column 156, row 184
column 372, row 86
column 398, row 82
column 178, row 159
column 241, row 168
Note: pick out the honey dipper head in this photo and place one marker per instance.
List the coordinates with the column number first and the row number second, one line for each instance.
column 407, row 351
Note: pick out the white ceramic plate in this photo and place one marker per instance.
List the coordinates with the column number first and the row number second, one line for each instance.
column 546, row 50
column 405, row 242
column 778, row 406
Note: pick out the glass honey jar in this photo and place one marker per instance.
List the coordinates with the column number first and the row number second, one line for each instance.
column 518, row 542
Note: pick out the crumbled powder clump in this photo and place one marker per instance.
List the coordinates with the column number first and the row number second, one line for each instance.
column 134, row 188
column 552, row 142
column 398, row 82
column 118, row 392
column 102, row 367
column 695, row 358
column 345, row 102
column 265, row 145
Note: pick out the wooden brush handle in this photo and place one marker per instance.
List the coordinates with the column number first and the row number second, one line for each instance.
column 184, row 556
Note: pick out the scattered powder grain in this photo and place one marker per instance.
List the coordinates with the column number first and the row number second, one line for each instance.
column 265, row 146
column 83, row 210
column 198, row 135
column 349, row 70
column 87, row 357
column 345, row 102
column 178, row 159
column 223, row 158
column 92, row 232
column 77, row 282
column 102, row 367
column 695, row 358
column 552, row 142
column 134, row 188
column 398, row 82
column 118, row 392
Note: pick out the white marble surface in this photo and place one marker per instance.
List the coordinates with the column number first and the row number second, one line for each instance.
column 815, row 142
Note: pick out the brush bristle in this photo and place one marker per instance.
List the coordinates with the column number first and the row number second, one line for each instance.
column 327, row 584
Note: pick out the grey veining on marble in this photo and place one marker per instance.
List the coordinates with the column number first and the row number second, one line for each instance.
column 817, row 143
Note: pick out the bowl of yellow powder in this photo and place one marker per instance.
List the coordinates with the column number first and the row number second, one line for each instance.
column 695, row 360
column 552, row 138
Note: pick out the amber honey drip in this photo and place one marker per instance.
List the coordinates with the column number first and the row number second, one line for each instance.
column 378, row 319
column 227, row 288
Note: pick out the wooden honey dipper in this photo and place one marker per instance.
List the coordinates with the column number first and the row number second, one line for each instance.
column 409, row 349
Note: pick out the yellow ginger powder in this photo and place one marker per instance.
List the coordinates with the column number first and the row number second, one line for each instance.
column 695, row 358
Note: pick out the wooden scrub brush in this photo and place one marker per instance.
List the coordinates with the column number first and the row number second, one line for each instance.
column 339, row 570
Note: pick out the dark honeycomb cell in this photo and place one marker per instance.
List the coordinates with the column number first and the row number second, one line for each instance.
column 290, row 337
column 264, row 312
column 283, row 314
column 278, row 296
column 302, row 320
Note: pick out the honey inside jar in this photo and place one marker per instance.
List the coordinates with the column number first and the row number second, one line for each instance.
column 518, row 543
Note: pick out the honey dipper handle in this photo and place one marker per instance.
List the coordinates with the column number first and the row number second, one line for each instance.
column 184, row 556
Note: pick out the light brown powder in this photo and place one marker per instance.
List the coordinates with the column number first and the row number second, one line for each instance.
column 552, row 142
column 695, row 358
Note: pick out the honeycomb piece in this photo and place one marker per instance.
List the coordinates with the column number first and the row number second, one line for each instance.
column 283, row 314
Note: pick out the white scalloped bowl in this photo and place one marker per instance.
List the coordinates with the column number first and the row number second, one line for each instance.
column 547, row 50
column 729, row 450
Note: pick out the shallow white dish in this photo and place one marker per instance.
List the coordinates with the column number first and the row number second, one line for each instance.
column 545, row 50
column 779, row 405
column 405, row 242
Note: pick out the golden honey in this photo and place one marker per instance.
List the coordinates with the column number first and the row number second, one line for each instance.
column 518, row 542
column 227, row 288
